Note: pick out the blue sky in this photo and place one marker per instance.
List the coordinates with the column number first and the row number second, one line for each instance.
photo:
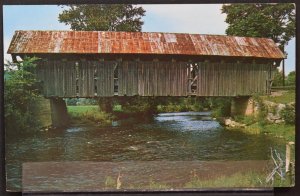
column 202, row 19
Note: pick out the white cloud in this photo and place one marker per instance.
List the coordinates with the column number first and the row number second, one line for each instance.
column 192, row 18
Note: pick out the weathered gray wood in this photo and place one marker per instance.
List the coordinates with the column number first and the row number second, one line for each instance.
column 152, row 78
column 226, row 79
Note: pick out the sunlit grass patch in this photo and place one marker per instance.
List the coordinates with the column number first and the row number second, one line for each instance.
column 286, row 97
column 281, row 130
column 88, row 113
column 249, row 179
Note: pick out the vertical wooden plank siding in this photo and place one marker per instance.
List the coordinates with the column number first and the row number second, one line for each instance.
column 161, row 79
column 70, row 79
column 105, row 78
column 232, row 79
column 128, row 78
column 151, row 78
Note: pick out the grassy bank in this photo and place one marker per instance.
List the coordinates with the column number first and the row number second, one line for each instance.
column 88, row 114
column 249, row 179
column 284, row 131
column 285, row 97
column 236, row 180
column 257, row 124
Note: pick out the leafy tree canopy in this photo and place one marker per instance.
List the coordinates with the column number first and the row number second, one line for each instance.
column 291, row 79
column 275, row 21
column 277, row 78
column 21, row 89
column 103, row 17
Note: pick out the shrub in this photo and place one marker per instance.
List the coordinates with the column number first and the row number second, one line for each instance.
column 247, row 120
column 221, row 106
column 291, row 79
column 262, row 111
column 21, row 90
column 288, row 114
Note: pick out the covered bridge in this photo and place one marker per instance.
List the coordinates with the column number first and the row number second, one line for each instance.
column 105, row 64
column 95, row 64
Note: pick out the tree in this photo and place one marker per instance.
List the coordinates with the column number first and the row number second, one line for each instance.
column 275, row 21
column 21, row 89
column 103, row 17
column 277, row 78
column 291, row 79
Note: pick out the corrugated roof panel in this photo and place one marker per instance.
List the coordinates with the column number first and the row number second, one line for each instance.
column 99, row 42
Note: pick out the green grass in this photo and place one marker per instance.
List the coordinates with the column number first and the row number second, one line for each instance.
column 258, row 124
column 117, row 108
column 281, row 130
column 88, row 113
column 180, row 107
column 249, row 179
column 284, row 131
column 82, row 109
column 287, row 97
column 235, row 180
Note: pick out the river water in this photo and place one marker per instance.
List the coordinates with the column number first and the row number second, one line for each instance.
column 185, row 136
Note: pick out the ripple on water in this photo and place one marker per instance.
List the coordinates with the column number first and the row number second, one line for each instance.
column 75, row 129
column 173, row 137
column 187, row 121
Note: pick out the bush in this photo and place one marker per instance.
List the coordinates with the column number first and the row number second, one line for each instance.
column 277, row 78
column 262, row 111
column 173, row 104
column 71, row 101
column 291, row 79
column 247, row 120
column 86, row 114
column 21, row 90
column 288, row 114
column 221, row 106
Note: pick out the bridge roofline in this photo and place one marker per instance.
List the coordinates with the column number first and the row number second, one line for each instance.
column 143, row 43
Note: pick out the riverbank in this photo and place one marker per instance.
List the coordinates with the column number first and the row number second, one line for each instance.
column 141, row 175
column 92, row 114
column 88, row 114
column 274, row 115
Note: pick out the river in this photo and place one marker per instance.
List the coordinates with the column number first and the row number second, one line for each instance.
column 185, row 136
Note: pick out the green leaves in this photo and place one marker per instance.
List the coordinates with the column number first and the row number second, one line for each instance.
column 275, row 21
column 103, row 17
column 20, row 89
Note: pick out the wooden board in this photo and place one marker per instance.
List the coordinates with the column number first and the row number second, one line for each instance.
column 95, row 78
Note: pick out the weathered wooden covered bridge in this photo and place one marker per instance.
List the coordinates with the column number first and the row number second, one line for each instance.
column 106, row 64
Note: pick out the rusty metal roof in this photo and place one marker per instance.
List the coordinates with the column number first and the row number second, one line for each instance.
column 104, row 42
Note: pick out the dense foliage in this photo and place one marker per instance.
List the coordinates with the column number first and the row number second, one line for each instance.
column 221, row 106
column 80, row 101
column 289, row 114
column 277, row 78
column 291, row 79
column 275, row 21
column 103, row 17
column 20, row 90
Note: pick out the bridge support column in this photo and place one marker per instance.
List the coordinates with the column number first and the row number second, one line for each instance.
column 242, row 106
column 59, row 113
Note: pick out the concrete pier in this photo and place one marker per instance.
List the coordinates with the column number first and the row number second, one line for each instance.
column 242, row 106
column 59, row 113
